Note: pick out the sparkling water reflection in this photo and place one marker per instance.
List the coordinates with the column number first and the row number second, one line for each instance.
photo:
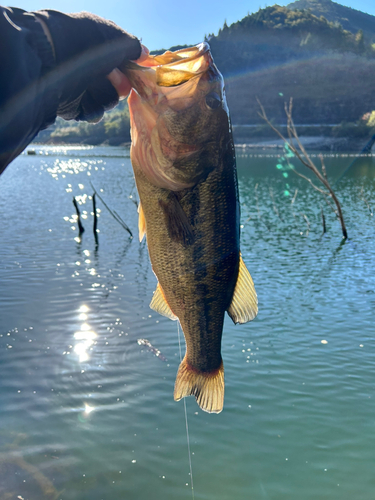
column 88, row 412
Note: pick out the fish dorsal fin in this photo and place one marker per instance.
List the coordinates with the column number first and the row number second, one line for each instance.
column 159, row 304
column 244, row 305
column 141, row 222
column 178, row 225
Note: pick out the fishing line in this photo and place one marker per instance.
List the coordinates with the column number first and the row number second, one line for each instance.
column 186, row 420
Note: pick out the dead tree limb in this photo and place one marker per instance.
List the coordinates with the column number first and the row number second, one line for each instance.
column 299, row 151
column 367, row 203
column 81, row 229
column 323, row 221
column 95, row 225
column 114, row 214
column 307, row 222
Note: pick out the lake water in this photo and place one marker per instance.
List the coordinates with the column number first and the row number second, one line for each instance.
column 88, row 413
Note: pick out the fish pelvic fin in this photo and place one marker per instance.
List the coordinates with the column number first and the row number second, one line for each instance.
column 244, row 305
column 160, row 305
column 208, row 388
column 141, row 222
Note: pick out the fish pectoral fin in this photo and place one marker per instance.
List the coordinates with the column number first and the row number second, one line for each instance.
column 178, row 225
column 160, row 305
column 244, row 305
column 141, row 222
column 208, row 388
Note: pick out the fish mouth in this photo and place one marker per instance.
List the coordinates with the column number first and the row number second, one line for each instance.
column 174, row 68
column 169, row 70
column 168, row 93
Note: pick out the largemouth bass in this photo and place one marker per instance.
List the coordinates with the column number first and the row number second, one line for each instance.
column 184, row 164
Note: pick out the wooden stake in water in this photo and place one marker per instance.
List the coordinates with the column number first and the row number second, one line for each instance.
column 186, row 421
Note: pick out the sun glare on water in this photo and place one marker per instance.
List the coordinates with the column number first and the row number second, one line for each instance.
column 85, row 336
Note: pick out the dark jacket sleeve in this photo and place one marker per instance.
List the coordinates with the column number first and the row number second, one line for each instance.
column 27, row 103
column 38, row 83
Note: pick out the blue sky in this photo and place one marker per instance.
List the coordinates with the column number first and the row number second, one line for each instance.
column 171, row 22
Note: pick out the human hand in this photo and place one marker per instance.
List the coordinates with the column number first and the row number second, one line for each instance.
column 87, row 49
column 121, row 81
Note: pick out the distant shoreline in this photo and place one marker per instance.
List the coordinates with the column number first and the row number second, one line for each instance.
column 316, row 143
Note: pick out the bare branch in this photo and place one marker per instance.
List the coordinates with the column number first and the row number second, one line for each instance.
column 323, row 167
column 323, row 221
column 114, row 214
column 81, row 229
column 95, row 225
column 295, row 196
column 307, row 222
column 308, row 180
column 300, row 151
column 365, row 200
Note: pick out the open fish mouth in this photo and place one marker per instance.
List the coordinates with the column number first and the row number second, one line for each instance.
column 177, row 106
column 159, row 79
column 173, row 68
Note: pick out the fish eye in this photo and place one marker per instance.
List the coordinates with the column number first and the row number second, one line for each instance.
column 213, row 100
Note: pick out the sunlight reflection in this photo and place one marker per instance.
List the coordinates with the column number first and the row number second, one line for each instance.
column 80, row 349
column 86, row 340
column 88, row 409
column 85, row 337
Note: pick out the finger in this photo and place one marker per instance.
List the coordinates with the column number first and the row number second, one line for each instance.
column 120, row 82
column 144, row 54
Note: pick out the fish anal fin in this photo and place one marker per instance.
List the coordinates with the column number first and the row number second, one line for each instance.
column 160, row 305
column 208, row 388
column 244, row 305
column 178, row 225
column 141, row 222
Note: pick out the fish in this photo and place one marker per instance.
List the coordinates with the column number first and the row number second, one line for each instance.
column 184, row 164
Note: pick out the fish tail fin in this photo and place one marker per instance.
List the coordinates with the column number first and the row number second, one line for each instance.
column 208, row 388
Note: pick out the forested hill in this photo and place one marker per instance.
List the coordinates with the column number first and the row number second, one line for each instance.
column 278, row 53
column 350, row 19
column 276, row 35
